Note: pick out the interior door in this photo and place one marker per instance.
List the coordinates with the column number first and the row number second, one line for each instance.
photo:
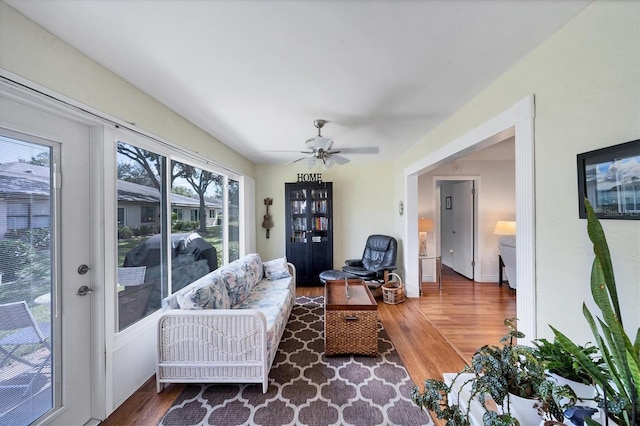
column 463, row 223
column 49, row 157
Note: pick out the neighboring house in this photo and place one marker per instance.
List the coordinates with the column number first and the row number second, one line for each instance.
column 137, row 204
column 24, row 196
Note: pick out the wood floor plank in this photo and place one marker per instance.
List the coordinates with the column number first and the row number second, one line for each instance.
column 435, row 333
column 145, row 406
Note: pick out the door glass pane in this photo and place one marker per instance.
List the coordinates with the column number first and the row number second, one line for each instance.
column 26, row 253
column 195, row 194
column 234, row 220
column 142, row 259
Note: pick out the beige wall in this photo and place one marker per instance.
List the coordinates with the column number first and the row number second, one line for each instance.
column 362, row 205
column 28, row 50
column 586, row 83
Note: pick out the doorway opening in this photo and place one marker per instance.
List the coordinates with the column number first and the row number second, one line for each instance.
column 517, row 122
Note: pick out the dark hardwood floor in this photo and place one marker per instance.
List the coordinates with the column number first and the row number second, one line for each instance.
column 434, row 334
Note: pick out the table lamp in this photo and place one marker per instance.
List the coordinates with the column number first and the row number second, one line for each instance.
column 504, row 227
column 424, row 226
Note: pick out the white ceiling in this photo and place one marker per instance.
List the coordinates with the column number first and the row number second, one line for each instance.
column 255, row 73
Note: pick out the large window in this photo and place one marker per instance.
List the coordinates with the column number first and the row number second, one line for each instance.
column 151, row 263
column 198, row 191
column 234, row 219
column 142, row 247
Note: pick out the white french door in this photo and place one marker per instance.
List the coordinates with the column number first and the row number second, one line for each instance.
column 61, row 210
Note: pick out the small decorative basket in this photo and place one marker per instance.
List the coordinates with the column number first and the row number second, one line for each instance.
column 393, row 291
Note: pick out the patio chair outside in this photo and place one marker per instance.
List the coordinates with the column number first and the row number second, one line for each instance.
column 17, row 319
column 131, row 276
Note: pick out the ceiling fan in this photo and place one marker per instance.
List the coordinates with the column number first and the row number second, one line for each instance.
column 320, row 149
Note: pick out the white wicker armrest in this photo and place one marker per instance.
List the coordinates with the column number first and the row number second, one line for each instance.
column 212, row 346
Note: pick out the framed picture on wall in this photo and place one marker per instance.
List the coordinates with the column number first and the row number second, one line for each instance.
column 610, row 179
column 447, row 203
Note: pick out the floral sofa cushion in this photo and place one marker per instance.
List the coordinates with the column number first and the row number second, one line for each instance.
column 208, row 292
column 223, row 288
column 211, row 296
column 275, row 300
column 240, row 276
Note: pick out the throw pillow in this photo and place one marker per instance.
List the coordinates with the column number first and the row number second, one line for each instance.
column 276, row 269
column 209, row 292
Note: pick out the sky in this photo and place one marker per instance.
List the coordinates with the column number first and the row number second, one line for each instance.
column 12, row 150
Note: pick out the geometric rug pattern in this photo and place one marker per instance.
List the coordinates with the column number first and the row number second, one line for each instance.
column 308, row 388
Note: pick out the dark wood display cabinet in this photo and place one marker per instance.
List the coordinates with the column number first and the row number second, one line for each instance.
column 309, row 220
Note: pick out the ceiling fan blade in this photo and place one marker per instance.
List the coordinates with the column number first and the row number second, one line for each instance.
column 287, row 150
column 340, row 159
column 361, row 150
column 298, row 159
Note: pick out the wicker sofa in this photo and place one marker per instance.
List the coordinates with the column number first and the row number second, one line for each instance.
column 226, row 326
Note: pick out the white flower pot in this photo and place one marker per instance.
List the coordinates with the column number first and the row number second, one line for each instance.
column 524, row 409
column 584, row 392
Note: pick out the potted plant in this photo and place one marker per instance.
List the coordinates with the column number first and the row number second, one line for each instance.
column 618, row 372
column 621, row 357
column 506, row 374
column 561, row 363
column 565, row 369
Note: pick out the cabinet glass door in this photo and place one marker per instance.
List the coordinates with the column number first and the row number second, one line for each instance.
column 298, row 205
column 320, row 209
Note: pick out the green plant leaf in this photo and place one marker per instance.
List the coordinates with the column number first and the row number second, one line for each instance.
column 584, row 361
column 601, row 250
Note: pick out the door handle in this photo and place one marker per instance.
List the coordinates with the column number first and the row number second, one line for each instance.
column 83, row 269
column 84, row 290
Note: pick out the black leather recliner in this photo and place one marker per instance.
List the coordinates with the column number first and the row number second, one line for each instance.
column 379, row 256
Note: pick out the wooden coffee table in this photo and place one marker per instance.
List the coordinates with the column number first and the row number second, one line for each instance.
column 350, row 318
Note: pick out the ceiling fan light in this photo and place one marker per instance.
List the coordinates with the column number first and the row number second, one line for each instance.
column 311, row 161
column 328, row 163
column 319, row 142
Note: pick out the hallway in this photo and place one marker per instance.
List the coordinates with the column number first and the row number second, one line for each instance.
column 468, row 314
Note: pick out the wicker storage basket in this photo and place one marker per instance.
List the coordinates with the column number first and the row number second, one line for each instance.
column 351, row 332
column 393, row 291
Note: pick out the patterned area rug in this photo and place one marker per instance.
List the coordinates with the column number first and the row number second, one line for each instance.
column 308, row 388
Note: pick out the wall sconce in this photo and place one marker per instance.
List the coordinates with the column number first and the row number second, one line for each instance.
column 505, row 228
column 424, row 226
